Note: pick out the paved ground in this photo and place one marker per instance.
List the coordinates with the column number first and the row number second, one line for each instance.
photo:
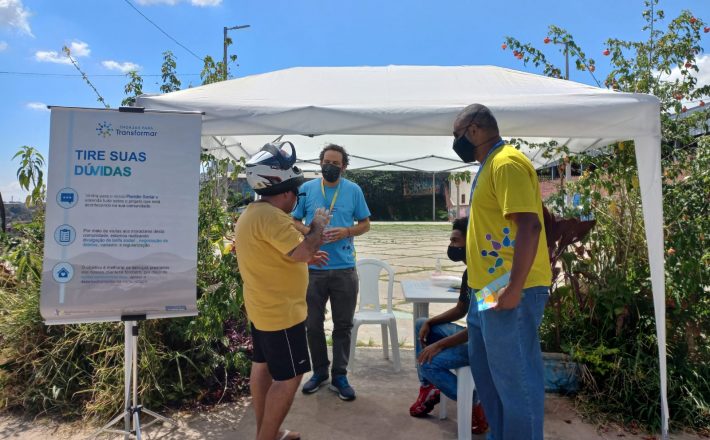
column 380, row 412
column 381, row 409
column 412, row 250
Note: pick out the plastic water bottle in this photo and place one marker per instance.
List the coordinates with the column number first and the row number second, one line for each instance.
column 437, row 270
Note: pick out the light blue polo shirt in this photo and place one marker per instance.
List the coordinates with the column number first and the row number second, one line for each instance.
column 349, row 206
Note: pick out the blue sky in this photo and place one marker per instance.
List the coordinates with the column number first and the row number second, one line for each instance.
column 108, row 35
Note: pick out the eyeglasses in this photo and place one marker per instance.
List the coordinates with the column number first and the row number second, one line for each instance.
column 463, row 133
column 473, row 121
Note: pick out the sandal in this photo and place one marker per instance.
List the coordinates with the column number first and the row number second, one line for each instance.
column 286, row 434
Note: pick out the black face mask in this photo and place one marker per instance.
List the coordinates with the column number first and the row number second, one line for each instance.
column 456, row 253
column 331, row 173
column 465, row 149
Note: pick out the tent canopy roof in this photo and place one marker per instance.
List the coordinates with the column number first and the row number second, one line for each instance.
column 408, row 102
column 404, row 112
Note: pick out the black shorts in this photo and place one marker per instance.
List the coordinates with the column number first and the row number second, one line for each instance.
column 284, row 351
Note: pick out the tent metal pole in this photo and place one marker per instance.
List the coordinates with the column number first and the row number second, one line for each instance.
column 433, row 196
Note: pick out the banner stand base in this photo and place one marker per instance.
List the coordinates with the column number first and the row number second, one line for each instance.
column 132, row 410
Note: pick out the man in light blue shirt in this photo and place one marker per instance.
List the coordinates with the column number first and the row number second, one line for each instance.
column 336, row 281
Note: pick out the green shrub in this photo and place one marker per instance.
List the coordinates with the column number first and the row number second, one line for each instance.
column 611, row 328
column 75, row 370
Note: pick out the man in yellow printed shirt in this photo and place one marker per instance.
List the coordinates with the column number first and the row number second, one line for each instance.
column 272, row 256
column 504, row 242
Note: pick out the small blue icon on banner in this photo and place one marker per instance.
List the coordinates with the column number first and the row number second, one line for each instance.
column 67, row 198
column 64, row 235
column 63, row 272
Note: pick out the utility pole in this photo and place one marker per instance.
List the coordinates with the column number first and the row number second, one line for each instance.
column 227, row 29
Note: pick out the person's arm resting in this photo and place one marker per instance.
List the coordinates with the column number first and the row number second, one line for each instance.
column 428, row 353
column 360, row 228
column 340, row 233
column 526, row 241
column 514, row 182
column 453, row 314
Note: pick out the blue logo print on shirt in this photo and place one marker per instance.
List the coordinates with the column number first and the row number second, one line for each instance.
column 498, row 245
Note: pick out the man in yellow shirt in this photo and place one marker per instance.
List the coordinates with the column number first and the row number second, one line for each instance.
column 504, row 245
column 272, row 256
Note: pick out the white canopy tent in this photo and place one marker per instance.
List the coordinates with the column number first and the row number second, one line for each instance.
column 400, row 117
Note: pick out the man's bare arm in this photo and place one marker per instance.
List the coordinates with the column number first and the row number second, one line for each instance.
column 313, row 239
column 303, row 229
column 339, row 233
column 526, row 241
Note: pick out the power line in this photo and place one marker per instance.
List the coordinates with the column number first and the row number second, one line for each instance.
column 74, row 75
column 161, row 30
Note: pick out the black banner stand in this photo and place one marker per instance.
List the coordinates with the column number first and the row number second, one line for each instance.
column 132, row 410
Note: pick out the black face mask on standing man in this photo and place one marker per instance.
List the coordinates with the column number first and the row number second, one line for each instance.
column 465, row 149
column 331, row 172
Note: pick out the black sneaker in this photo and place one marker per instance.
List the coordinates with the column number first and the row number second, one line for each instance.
column 340, row 385
column 313, row 384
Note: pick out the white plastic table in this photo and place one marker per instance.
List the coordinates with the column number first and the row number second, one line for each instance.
column 422, row 292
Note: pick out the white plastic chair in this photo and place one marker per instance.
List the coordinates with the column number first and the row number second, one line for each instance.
column 464, row 402
column 370, row 311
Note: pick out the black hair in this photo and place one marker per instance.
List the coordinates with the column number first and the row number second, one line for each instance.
column 339, row 149
column 480, row 115
column 461, row 224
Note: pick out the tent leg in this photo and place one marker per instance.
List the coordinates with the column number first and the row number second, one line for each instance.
column 568, row 179
column 648, row 159
column 433, row 197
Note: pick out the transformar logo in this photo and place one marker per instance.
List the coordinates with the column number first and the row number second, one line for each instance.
column 104, row 129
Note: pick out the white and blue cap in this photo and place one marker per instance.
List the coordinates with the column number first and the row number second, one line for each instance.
column 272, row 171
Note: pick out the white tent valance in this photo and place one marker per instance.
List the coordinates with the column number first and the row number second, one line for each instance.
column 392, row 114
column 325, row 105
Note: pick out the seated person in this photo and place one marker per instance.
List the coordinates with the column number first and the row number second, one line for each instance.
column 442, row 345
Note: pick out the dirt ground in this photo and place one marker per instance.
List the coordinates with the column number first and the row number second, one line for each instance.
column 380, row 412
column 381, row 409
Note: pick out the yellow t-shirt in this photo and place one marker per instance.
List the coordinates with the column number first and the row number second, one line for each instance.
column 274, row 284
column 507, row 184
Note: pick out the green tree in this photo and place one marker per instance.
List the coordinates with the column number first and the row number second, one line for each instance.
column 133, row 89
column 212, row 71
column 171, row 83
column 77, row 370
column 30, row 174
column 610, row 327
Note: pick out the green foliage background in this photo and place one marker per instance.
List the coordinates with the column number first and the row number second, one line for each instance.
column 610, row 328
column 75, row 370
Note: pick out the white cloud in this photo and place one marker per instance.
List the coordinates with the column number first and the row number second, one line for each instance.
column 40, row 106
column 14, row 15
column 51, row 56
column 203, row 3
column 78, row 49
column 123, row 67
column 200, row 3
column 3, row 45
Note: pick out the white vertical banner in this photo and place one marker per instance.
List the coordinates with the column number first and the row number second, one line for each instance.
column 121, row 215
